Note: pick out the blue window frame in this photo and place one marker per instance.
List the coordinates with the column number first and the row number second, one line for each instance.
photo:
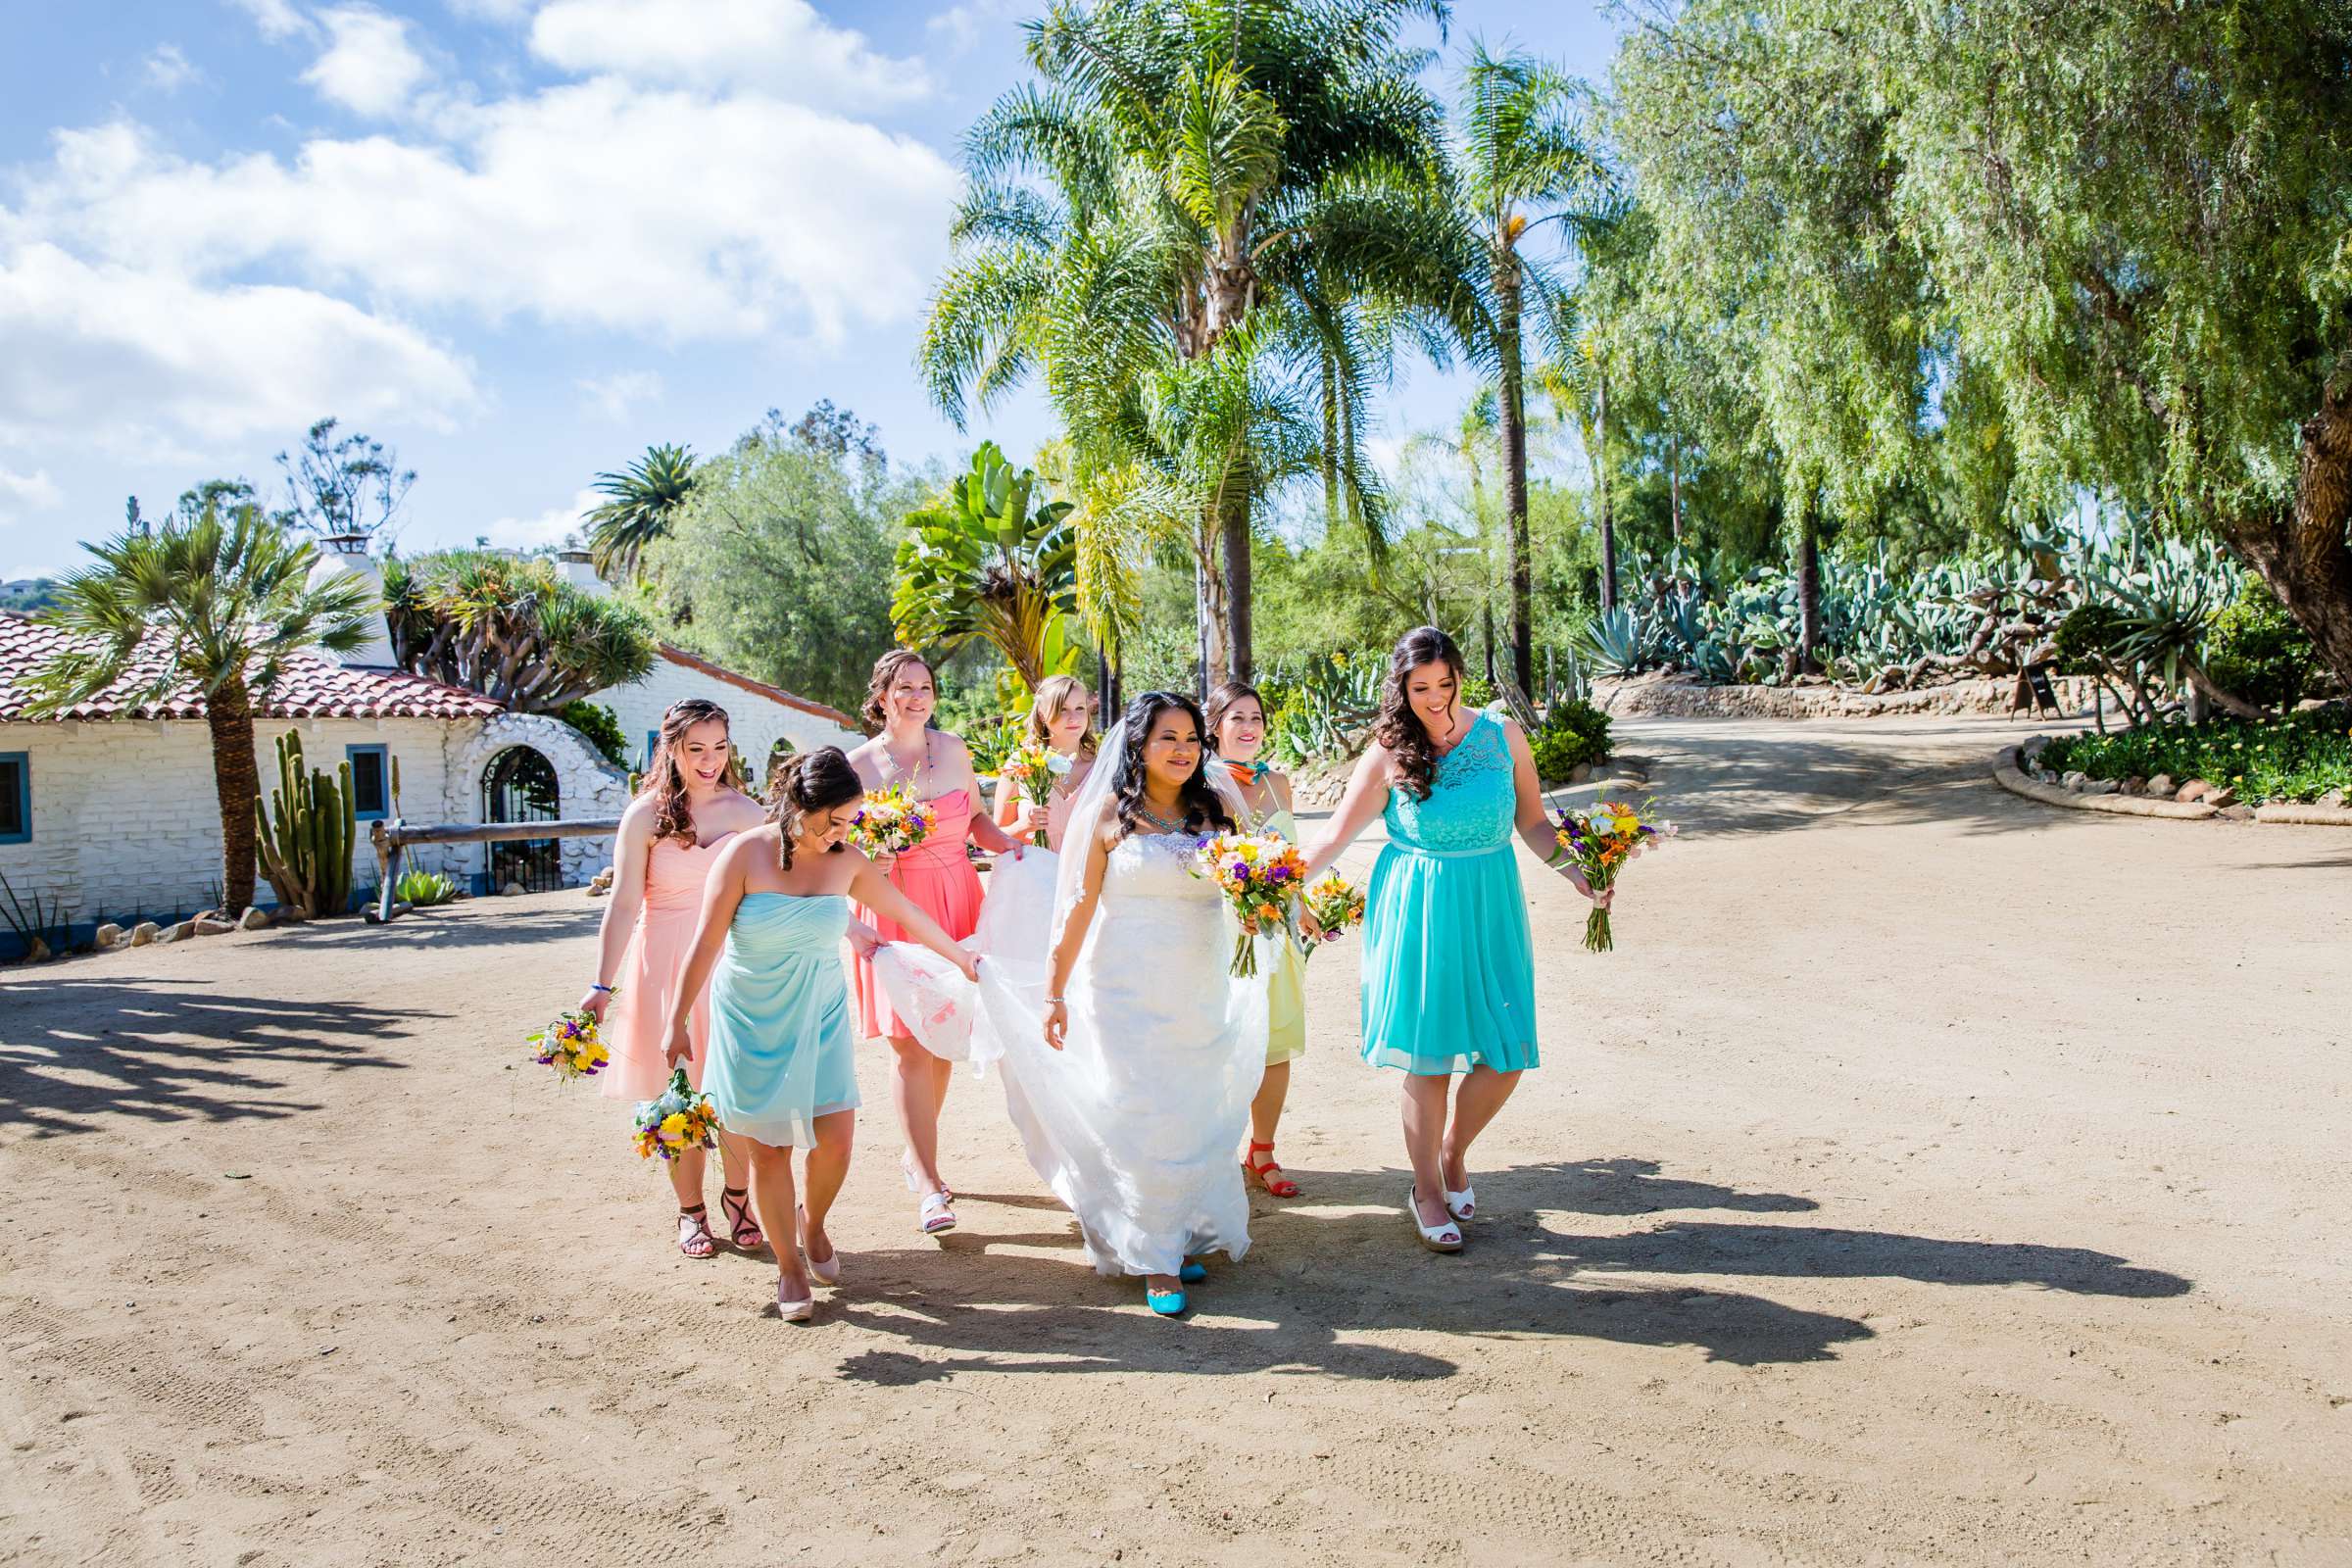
column 16, row 798
column 370, row 781
column 652, row 739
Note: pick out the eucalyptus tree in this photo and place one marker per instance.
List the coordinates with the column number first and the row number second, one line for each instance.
column 641, row 505
column 1177, row 170
column 1524, row 161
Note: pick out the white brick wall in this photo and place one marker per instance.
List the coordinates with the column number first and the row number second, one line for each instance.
column 753, row 721
column 125, row 817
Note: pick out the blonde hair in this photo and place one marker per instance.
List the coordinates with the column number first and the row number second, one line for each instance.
column 1052, row 692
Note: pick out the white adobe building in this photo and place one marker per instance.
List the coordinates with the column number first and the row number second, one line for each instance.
column 111, row 809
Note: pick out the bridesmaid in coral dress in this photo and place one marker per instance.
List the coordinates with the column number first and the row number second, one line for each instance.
column 937, row 877
column 687, row 806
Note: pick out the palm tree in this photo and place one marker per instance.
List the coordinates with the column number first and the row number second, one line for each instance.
column 213, row 604
column 512, row 629
column 1179, row 169
column 1522, row 150
column 645, row 499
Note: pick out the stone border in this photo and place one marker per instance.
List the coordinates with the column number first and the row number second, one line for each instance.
column 2009, row 773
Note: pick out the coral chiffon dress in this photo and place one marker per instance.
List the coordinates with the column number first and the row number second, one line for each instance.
column 674, row 874
column 936, row 877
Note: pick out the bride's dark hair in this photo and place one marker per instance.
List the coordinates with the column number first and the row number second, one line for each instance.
column 1202, row 810
column 1398, row 727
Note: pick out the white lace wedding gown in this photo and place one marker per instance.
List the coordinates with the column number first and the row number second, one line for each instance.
column 1136, row 1123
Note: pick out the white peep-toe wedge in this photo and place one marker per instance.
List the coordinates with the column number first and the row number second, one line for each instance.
column 1463, row 1204
column 1445, row 1237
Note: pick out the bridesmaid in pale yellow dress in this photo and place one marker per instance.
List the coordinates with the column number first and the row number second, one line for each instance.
column 1061, row 717
column 1237, row 728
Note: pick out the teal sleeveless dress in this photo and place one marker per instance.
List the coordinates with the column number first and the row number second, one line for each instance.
column 783, row 1040
column 1449, row 971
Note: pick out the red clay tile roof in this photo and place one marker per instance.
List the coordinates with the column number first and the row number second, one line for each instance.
column 774, row 694
column 309, row 686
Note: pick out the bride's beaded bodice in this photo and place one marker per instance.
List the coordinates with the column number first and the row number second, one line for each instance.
column 1473, row 800
column 1156, row 865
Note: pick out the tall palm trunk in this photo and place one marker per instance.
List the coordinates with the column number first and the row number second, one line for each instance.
column 1232, row 524
column 1331, row 444
column 1514, row 463
column 237, row 782
column 1232, row 290
column 1600, row 477
column 1808, row 588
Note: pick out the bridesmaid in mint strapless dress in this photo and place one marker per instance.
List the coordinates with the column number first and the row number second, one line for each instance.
column 938, row 878
column 782, row 1055
column 1448, row 965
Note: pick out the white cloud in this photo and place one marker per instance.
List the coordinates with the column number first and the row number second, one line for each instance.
column 777, row 46
column 134, row 361
column 960, row 25
column 276, row 18
column 33, row 492
column 368, row 65
column 508, row 11
column 663, row 213
column 552, row 526
column 615, row 396
column 168, row 71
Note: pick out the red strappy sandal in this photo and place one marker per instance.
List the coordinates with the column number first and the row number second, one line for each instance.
column 736, row 1204
column 1269, row 1175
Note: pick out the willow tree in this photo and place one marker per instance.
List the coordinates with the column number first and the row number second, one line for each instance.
column 1176, row 170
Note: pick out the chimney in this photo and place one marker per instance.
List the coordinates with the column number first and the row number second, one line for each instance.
column 345, row 554
column 578, row 568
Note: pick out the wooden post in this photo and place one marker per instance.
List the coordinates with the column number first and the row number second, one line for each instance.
column 392, row 838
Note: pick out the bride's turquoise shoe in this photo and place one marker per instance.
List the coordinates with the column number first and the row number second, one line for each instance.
column 1192, row 1273
column 1167, row 1304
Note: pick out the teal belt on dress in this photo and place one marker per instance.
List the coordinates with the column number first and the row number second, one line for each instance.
column 1447, row 854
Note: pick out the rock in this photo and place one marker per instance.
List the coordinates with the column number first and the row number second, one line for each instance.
column 2135, row 786
column 512, row 890
column 2074, row 778
column 2333, row 800
column 144, row 932
column 2160, row 784
column 36, row 951
column 2031, row 752
column 597, row 890
column 2196, row 789
column 288, row 914
column 2236, row 813
column 185, row 931
column 254, row 920
column 2222, row 796
column 1581, row 773
column 2100, row 786
column 212, row 926
column 107, row 935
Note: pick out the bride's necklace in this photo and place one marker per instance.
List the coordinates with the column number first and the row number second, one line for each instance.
column 1156, row 821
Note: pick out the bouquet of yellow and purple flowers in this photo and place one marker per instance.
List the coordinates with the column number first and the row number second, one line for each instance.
column 1336, row 904
column 1600, row 841
column 892, row 821
column 570, row 1046
column 682, row 1117
column 1260, row 875
column 1031, row 768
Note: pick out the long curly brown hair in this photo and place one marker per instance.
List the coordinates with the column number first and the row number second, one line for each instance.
column 886, row 670
column 1398, row 727
column 807, row 783
column 665, row 779
column 1203, row 810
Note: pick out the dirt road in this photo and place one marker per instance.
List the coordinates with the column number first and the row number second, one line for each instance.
column 1928, row 1177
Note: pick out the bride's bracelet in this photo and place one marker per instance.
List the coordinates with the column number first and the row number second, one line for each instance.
column 1051, row 1000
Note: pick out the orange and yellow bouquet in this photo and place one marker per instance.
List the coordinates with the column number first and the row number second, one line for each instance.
column 1260, row 875
column 1336, row 904
column 570, row 1046
column 892, row 821
column 1032, row 768
column 1601, row 840
column 681, row 1118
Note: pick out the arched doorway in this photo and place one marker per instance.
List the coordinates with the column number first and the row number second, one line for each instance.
column 519, row 786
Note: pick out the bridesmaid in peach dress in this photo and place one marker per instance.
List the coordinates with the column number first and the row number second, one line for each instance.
column 687, row 806
column 939, row 878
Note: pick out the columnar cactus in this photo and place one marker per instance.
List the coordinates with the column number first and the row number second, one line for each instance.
column 306, row 851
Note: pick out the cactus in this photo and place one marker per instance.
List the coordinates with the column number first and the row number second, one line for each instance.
column 306, row 851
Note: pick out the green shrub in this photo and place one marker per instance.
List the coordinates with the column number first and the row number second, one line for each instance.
column 1573, row 732
column 423, row 889
column 2088, row 631
column 2298, row 758
column 601, row 729
column 2254, row 650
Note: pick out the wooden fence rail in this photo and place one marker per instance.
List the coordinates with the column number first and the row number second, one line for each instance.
column 392, row 838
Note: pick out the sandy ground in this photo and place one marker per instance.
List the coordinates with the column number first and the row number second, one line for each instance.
column 1928, row 1177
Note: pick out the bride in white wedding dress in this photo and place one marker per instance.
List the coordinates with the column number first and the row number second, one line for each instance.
column 1129, row 1056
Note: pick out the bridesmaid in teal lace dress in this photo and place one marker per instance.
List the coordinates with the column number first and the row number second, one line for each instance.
column 782, row 1057
column 1449, row 967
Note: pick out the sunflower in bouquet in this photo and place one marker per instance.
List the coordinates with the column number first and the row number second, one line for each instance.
column 1336, row 904
column 680, row 1119
column 570, row 1044
column 1260, row 875
column 892, row 821
column 1600, row 841
column 1031, row 767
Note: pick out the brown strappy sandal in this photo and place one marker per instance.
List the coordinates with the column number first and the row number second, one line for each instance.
column 1269, row 1175
column 693, row 1233
column 744, row 1231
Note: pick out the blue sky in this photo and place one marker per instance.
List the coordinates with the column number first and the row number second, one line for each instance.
column 517, row 239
